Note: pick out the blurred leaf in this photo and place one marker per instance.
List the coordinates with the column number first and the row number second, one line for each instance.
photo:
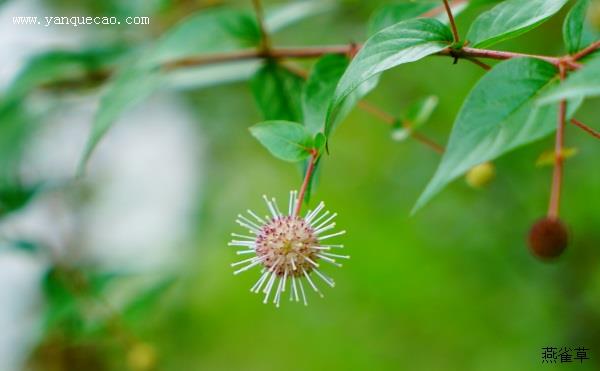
column 208, row 76
column 286, row 140
column 62, row 65
column 416, row 115
column 13, row 197
column 62, row 308
column 21, row 245
column 143, row 302
column 277, row 92
column 390, row 14
column 281, row 16
column 577, row 34
column 319, row 89
column 129, row 87
column 208, row 31
column 403, row 42
column 580, row 84
column 547, row 157
column 15, row 129
column 510, row 19
column 498, row 115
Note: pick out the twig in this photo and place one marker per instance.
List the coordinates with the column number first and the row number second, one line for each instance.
column 586, row 128
column 314, row 155
column 554, row 206
column 590, row 49
column 455, row 35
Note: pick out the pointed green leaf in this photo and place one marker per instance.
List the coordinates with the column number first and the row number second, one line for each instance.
column 277, row 92
column 498, row 115
column 510, row 19
column 403, row 42
column 577, row 33
column 288, row 141
column 319, row 89
column 581, row 84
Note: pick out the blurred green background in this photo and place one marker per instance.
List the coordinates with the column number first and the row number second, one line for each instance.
column 451, row 288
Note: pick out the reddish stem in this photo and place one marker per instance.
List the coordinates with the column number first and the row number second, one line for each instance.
column 554, row 206
column 590, row 49
column 455, row 35
column 314, row 155
column 586, row 128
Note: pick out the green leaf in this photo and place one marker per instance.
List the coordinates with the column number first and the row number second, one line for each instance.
column 210, row 31
column 319, row 89
column 390, row 14
column 62, row 65
column 577, row 34
column 403, row 42
column 498, row 115
column 277, row 92
column 16, row 127
column 279, row 17
column 510, row 19
column 416, row 115
column 217, row 30
column 129, row 87
column 14, row 197
column 286, row 140
column 581, row 84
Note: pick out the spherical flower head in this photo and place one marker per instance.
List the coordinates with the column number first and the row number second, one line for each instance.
column 288, row 248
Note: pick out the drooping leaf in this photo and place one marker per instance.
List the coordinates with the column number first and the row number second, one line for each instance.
column 129, row 87
column 62, row 65
column 403, row 42
column 577, row 33
column 319, row 89
column 207, row 32
column 581, row 84
column 510, row 19
column 499, row 115
column 390, row 14
column 279, row 17
column 277, row 93
column 14, row 197
column 286, row 140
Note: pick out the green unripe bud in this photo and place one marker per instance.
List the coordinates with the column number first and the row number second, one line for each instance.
column 481, row 175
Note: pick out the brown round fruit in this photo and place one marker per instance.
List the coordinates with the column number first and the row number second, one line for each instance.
column 548, row 238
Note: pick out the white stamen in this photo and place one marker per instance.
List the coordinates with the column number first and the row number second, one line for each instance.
column 248, row 221
column 334, row 246
column 336, row 255
column 326, row 221
column 294, row 291
column 260, row 281
column 248, row 267
column 278, row 293
column 241, row 243
column 311, row 261
column 270, row 206
column 311, row 283
column 243, row 236
column 293, row 264
column 245, row 261
column 291, row 203
column 284, row 278
column 332, row 235
column 314, row 222
column 241, row 252
column 317, row 210
column 320, row 247
column 328, row 259
column 327, row 280
column 259, row 219
column 276, row 207
column 326, row 228
column 250, row 228
column 269, row 287
column 302, row 291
